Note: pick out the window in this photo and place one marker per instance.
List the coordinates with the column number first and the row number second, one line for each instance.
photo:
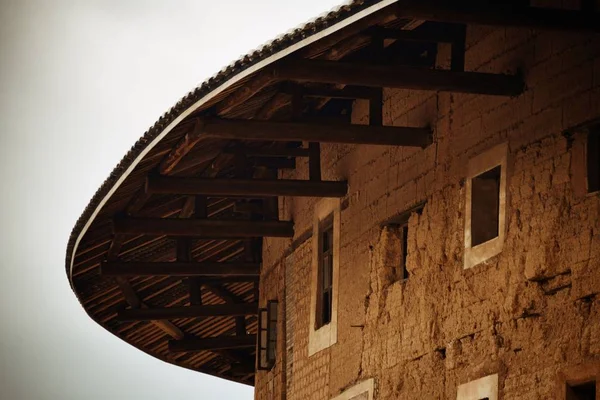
column 485, row 388
column 361, row 391
column 395, row 253
column 267, row 334
column 485, row 205
column 402, row 272
column 325, row 278
column 593, row 159
column 585, row 391
column 324, row 275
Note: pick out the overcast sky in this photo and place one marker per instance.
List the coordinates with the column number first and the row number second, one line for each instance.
column 80, row 82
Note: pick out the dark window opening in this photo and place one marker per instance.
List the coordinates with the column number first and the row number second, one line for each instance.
column 267, row 335
column 593, row 159
column 325, row 275
column 403, row 273
column 485, row 206
column 586, row 391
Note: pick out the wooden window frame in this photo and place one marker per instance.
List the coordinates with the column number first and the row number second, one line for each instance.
column 323, row 336
column 486, row 161
column 325, row 269
column 267, row 335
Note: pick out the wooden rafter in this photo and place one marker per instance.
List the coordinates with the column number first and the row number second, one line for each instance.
column 194, row 311
column 182, row 148
column 199, row 269
column 326, row 133
column 213, row 343
column 136, row 304
column 401, row 77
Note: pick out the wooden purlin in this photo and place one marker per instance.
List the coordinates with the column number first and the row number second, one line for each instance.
column 213, row 343
column 400, row 77
column 324, row 133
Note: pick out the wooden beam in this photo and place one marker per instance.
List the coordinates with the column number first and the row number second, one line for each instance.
column 400, row 77
column 458, row 50
column 348, row 92
column 334, row 133
column 483, row 13
column 274, row 162
column 441, row 35
column 182, row 148
column 203, row 228
column 220, row 310
column 213, row 343
column 200, row 269
column 246, row 187
column 271, row 152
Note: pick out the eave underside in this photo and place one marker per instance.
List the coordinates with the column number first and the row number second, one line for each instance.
column 207, row 145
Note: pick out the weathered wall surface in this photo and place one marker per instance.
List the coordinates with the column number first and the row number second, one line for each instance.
column 530, row 314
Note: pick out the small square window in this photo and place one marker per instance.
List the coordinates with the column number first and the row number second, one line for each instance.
column 485, row 388
column 485, row 206
column 593, row 159
column 585, row 391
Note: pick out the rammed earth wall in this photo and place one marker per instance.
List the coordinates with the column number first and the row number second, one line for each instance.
column 530, row 314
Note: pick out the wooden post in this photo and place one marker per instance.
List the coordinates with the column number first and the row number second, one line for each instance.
column 457, row 60
column 314, row 161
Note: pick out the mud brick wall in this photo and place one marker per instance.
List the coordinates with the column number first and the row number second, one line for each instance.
column 530, row 314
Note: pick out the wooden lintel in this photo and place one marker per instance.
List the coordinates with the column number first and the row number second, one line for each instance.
column 246, row 187
column 200, row 269
column 203, row 228
column 402, row 77
column 326, row 133
column 220, row 310
column 213, row 343
column 182, row 148
column 484, row 13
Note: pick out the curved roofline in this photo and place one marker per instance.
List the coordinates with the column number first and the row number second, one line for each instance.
column 180, row 111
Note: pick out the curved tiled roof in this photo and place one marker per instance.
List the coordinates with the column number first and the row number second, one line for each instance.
column 214, row 83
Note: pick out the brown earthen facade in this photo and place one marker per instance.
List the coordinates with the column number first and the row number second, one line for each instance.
column 530, row 314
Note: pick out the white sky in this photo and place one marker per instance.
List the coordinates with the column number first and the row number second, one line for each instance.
column 80, row 82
